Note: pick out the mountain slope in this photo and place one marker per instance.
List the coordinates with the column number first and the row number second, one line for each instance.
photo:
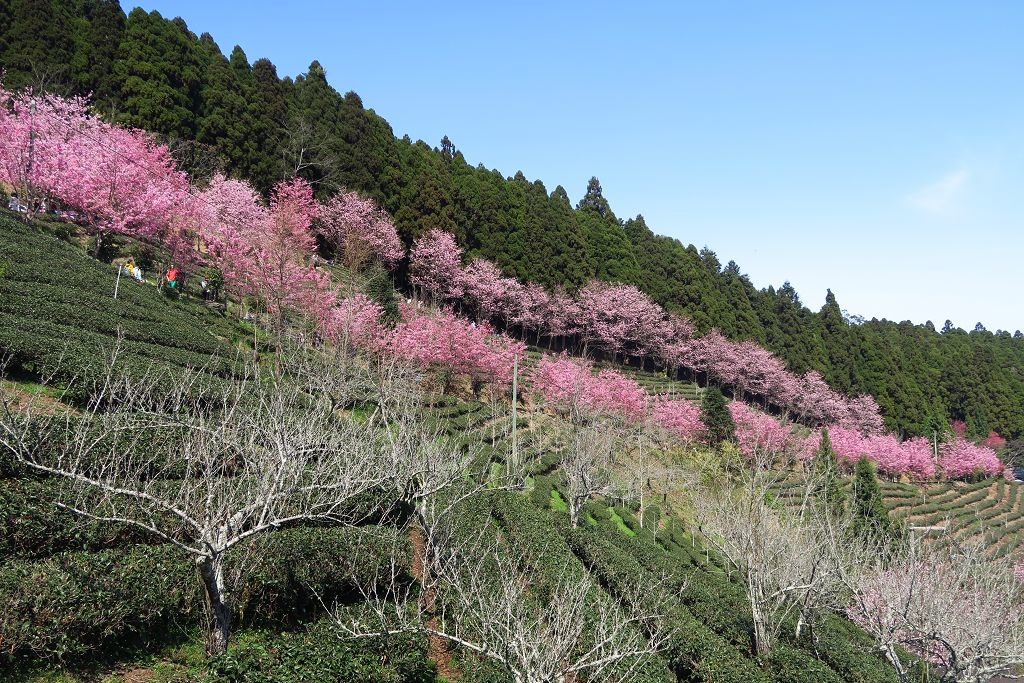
column 922, row 378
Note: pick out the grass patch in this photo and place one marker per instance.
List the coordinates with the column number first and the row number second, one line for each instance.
column 619, row 522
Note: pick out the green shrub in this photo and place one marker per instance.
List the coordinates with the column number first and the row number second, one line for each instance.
column 31, row 526
column 541, row 493
column 76, row 605
column 321, row 653
column 71, row 605
column 850, row 652
column 790, row 665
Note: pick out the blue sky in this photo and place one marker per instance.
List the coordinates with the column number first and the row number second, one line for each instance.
column 873, row 148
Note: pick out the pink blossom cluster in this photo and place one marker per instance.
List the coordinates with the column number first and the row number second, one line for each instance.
column 568, row 381
column 264, row 251
column 758, row 431
column 358, row 229
column 678, row 417
column 890, row 455
column 119, row 179
column 960, row 457
column 443, row 339
column 435, row 266
column 993, row 440
column 354, row 320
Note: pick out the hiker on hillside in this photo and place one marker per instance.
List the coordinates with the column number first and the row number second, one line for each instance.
column 13, row 205
column 134, row 269
column 172, row 277
column 206, row 289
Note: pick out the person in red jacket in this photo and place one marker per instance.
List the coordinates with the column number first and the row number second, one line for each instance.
column 172, row 277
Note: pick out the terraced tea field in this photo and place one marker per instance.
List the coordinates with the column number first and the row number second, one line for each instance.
column 990, row 512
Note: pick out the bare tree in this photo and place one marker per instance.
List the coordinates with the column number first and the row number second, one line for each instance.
column 947, row 604
column 777, row 551
column 206, row 468
column 425, row 461
column 587, row 461
column 484, row 599
column 303, row 151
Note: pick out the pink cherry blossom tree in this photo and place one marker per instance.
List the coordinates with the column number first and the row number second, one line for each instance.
column 354, row 320
column 486, row 289
column 961, row 458
column 572, row 383
column 758, row 432
column 619, row 318
column 446, row 341
column 436, row 266
column 678, row 417
column 531, row 306
column 863, row 414
column 893, row 457
column 265, row 251
column 560, row 379
column 120, row 179
column 562, row 317
column 358, row 229
column 993, row 440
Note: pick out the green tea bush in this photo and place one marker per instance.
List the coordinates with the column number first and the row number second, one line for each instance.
column 75, row 605
column 322, row 653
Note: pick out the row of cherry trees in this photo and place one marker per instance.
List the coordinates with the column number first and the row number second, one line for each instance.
column 126, row 183
column 916, row 457
column 620, row 321
column 120, row 180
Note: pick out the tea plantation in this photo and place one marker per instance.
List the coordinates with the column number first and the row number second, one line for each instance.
column 58, row 314
column 85, row 601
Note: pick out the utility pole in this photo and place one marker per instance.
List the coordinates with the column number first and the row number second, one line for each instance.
column 514, row 460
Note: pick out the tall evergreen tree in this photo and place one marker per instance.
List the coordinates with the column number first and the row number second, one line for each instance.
column 870, row 516
column 718, row 423
column 158, row 69
column 38, row 44
column 826, row 468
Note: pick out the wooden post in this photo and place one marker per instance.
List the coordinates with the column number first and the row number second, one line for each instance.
column 117, row 282
column 514, row 460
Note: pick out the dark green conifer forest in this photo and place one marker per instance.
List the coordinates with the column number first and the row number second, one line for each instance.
column 221, row 112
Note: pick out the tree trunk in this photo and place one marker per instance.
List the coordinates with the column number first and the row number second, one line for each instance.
column 762, row 638
column 894, row 659
column 218, row 614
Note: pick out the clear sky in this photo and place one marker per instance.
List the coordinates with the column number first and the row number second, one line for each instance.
column 873, row 148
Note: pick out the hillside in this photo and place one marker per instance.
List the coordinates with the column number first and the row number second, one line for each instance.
column 428, row 423
column 58, row 314
column 87, row 599
column 157, row 74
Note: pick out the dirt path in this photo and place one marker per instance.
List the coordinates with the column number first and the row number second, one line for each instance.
column 39, row 402
column 438, row 649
